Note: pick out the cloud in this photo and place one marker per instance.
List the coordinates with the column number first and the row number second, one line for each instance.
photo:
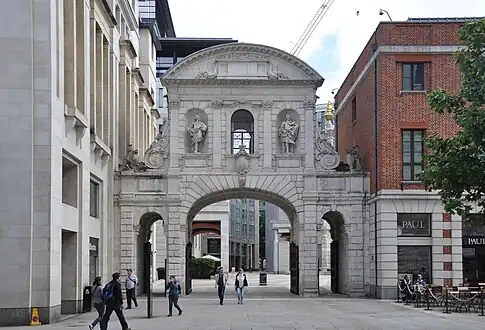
column 336, row 43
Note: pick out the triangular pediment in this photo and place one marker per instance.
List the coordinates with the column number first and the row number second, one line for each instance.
column 242, row 61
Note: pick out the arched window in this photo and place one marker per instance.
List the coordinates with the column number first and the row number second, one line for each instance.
column 242, row 131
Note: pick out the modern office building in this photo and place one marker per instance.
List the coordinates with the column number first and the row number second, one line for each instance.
column 382, row 108
column 81, row 89
column 244, row 234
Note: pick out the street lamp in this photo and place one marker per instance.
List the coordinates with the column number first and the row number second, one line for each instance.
column 383, row 11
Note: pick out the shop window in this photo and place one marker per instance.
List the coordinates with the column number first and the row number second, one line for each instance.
column 414, row 260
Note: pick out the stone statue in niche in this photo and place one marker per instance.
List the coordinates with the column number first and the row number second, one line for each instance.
column 353, row 158
column 131, row 162
column 288, row 133
column 197, row 131
column 157, row 153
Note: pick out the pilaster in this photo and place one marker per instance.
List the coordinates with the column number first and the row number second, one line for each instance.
column 308, row 263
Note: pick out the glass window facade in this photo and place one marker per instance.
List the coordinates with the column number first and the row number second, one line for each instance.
column 242, row 220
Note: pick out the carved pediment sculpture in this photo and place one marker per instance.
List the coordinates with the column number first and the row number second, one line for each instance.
column 242, row 164
column 326, row 156
column 131, row 162
column 206, row 74
column 197, row 131
column 288, row 133
column 274, row 74
column 353, row 158
column 157, row 153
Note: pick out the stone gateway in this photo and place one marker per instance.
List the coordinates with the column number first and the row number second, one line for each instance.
column 242, row 125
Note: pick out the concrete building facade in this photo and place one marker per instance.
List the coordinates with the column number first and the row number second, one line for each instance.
column 83, row 90
column 382, row 107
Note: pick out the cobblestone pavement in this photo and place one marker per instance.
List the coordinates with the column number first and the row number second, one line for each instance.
column 283, row 314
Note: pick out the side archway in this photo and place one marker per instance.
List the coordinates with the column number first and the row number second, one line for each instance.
column 338, row 251
column 144, row 256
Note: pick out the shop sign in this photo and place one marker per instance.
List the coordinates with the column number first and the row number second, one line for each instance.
column 413, row 224
column 473, row 241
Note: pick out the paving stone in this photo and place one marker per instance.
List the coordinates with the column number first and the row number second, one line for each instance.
column 282, row 314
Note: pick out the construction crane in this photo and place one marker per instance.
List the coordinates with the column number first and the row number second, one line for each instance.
column 311, row 27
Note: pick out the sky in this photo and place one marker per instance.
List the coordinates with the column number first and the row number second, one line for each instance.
column 336, row 43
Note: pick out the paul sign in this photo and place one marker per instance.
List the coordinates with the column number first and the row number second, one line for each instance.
column 413, row 225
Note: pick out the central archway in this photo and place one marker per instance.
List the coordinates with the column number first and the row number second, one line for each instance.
column 253, row 194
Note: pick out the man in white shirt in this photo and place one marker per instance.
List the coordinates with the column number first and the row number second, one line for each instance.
column 131, row 283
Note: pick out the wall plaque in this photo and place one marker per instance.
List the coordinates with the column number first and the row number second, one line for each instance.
column 414, row 224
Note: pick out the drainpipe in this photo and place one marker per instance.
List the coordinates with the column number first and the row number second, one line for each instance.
column 375, row 158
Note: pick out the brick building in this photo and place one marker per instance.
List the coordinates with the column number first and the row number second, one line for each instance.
column 382, row 107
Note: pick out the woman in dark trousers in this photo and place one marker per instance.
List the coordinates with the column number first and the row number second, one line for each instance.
column 174, row 290
column 97, row 299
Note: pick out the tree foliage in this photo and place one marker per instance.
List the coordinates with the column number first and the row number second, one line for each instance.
column 455, row 166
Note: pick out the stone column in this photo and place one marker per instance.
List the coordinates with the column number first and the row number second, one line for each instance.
column 308, row 263
column 129, row 237
column 176, row 242
column 276, row 252
column 309, row 136
column 70, row 68
column 225, row 241
column 216, row 138
column 174, row 106
column 267, row 138
column 99, row 83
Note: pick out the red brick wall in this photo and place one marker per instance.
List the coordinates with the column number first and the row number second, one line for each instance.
column 396, row 110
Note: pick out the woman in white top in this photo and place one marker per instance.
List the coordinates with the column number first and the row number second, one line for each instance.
column 239, row 285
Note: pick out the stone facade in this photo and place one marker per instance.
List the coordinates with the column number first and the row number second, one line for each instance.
column 75, row 74
column 270, row 84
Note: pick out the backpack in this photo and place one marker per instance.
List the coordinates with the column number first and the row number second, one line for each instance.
column 245, row 283
column 108, row 292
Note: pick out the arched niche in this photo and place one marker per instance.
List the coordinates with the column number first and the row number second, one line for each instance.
column 280, row 118
column 189, row 119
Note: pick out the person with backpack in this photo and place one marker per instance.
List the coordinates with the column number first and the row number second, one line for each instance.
column 174, row 291
column 130, row 284
column 113, row 299
column 239, row 285
column 98, row 301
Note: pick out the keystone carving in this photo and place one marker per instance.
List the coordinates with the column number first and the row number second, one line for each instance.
column 242, row 164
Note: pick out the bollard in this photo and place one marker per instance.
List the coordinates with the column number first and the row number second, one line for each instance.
column 398, row 292
column 481, row 301
column 446, row 311
column 427, row 300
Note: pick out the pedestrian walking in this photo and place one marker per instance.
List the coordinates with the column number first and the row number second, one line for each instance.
column 240, row 284
column 221, row 282
column 174, row 291
column 130, row 285
column 113, row 299
column 97, row 300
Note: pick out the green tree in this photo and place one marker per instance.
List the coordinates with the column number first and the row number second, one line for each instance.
column 455, row 166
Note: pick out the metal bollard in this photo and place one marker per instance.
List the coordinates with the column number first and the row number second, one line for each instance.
column 446, row 311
